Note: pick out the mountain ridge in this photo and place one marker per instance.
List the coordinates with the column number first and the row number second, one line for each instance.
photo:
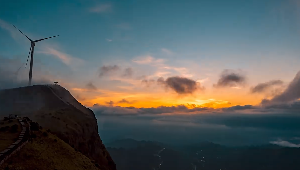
column 56, row 109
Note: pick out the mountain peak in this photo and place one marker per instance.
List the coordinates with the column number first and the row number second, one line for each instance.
column 54, row 108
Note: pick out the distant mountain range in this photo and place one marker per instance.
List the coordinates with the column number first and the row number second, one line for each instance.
column 130, row 154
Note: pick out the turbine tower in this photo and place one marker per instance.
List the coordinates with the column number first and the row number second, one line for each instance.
column 32, row 51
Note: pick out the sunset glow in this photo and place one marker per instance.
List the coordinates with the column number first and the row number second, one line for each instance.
column 199, row 56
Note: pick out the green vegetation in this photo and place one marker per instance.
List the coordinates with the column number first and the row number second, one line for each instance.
column 48, row 152
column 9, row 132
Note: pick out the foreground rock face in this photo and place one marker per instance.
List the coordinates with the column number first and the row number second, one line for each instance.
column 54, row 108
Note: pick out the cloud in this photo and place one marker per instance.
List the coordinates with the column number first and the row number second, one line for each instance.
column 11, row 77
column 125, row 101
column 180, row 85
column 108, row 70
column 238, row 108
column 148, row 59
column 203, row 80
column 101, row 8
column 117, row 110
column 262, row 87
column 110, row 103
column 148, row 83
column 91, row 86
column 128, row 72
column 231, row 78
column 109, row 40
column 8, row 27
column 275, row 112
column 291, row 94
column 181, row 124
column 285, row 144
column 163, row 69
column 115, row 70
column 65, row 58
column 166, row 51
column 161, row 80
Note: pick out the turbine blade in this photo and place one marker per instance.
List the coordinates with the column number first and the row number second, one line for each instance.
column 46, row 38
column 28, row 57
column 23, row 33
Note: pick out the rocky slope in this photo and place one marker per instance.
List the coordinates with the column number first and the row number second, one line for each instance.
column 54, row 108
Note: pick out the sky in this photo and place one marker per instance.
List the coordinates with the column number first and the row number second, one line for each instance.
column 139, row 54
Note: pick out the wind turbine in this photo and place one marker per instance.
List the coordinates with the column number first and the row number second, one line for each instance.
column 32, row 51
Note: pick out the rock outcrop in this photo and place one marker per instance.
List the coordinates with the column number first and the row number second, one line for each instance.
column 54, row 108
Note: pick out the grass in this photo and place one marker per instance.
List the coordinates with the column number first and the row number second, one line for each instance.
column 48, row 152
column 7, row 137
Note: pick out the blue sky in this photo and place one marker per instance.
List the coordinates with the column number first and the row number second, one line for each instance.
column 181, row 63
column 197, row 39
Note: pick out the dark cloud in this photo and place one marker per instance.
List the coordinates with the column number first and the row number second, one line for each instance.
column 128, row 72
column 96, row 105
column 125, row 101
column 108, row 70
column 262, row 87
column 184, row 109
column 291, row 107
column 292, row 93
column 171, row 109
column 91, row 86
column 231, row 78
column 116, row 70
column 147, row 82
column 111, row 103
column 238, row 108
column 180, row 85
column 147, row 111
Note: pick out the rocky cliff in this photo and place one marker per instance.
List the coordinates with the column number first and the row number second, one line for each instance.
column 54, row 108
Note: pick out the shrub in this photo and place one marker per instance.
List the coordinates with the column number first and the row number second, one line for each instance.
column 3, row 129
column 33, row 135
column 34, row 126
column 45, row 134
column 27, row 119
column 55, row 140
column 48, row 130
column 14, row 128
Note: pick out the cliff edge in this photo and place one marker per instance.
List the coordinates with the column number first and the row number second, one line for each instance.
column 54, row 108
